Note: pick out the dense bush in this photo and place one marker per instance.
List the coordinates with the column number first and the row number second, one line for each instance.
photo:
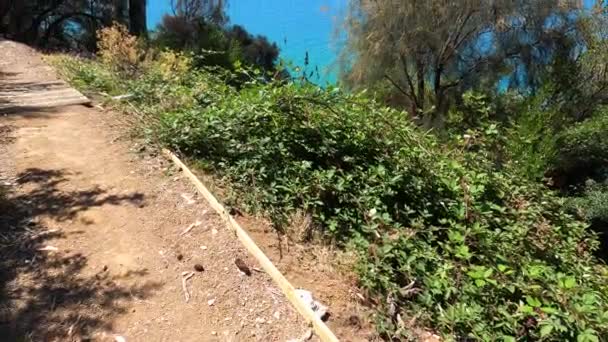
column 117, row 49
column 445, row 240
column 583, row 150
column 218, row 45
column 592, row 205
column 532, row 136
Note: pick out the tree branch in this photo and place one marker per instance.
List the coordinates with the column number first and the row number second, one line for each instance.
column 396, row 85
column 410, row 83
column 65, row 17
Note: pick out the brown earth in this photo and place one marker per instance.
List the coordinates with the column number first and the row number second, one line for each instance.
column 92, row 244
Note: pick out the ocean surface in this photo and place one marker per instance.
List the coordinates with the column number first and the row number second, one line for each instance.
column 299, row 27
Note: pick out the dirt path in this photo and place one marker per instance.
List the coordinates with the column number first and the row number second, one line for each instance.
column 91, row 242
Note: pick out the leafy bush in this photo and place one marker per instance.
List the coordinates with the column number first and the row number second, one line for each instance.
column 118, row 49
column 86, row 74
column 532, row 136
column 583, row 150
column 593, row 204
column 444, row 239
column 218, row 45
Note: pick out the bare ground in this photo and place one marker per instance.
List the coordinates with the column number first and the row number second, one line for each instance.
column 91, row 243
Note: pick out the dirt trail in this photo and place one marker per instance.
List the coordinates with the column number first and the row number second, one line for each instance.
column 91, row 242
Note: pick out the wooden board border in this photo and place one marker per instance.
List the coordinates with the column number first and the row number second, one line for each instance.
column 319, row 327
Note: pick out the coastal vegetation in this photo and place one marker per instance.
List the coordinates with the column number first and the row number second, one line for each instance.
column 463, row 157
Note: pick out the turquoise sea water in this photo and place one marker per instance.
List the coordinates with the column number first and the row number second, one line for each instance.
column 297, row 26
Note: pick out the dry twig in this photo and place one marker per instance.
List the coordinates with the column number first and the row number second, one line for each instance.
column 185, row 277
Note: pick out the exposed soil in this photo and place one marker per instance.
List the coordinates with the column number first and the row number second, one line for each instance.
column 91, row 243
column 327, row 273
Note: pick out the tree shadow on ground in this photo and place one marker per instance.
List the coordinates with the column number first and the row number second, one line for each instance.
column 43, row 293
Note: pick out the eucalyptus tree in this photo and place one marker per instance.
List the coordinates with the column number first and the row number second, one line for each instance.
column 192, row 10
column 430, row 52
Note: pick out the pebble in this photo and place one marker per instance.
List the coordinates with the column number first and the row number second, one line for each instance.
column 210, row 302
column 260, row 320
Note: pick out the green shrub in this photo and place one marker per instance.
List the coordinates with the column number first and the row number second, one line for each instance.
column 443, row 237
column 592, row 205
column 485, row 255
column 583, row 149
column 86, row 74
column 532, row 136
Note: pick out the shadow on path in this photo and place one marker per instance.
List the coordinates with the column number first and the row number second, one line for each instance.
column 43, row 295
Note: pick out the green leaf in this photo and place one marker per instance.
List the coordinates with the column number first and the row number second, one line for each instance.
column 545, row 330
column 569, row 282
column 587, row 336
column 455, row 236
column 488, row 273
column 533, row 302
column 526, row 309
column 480, row 282
column 549, row 310
column 463, row 252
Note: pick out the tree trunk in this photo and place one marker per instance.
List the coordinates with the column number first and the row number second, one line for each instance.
column 121, row 11
column 420, row 80
column 5, row 7
column 441, row 102
column 137, row 18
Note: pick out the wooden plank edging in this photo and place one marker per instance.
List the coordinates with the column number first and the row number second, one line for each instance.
column 319, row 327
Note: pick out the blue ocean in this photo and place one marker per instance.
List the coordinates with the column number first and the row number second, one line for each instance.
column 298, row 27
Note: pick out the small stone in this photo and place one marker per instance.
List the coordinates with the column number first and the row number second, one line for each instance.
column 260, row 320
column 204, row 248
column 213, row 231
column 180, row 256
column 118, row 338
column 199, row 268
column 210, row 302
column 276, row 315
column 213, row 333
column 105, row 268
column 242, row 266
